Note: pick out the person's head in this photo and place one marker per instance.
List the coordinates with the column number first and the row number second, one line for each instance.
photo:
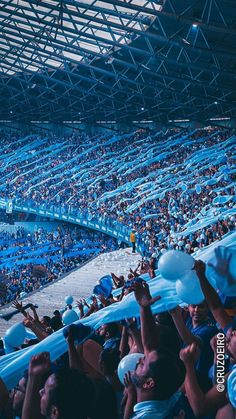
column 109, row 361
column 56, row 323
column 67, row 394
column 108, row 331
column 158, row 377
column 45, row 320
column 57, row 313
column 198, row 312
column 18, row 394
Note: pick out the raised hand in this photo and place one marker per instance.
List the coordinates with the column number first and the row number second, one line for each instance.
column 129, row 386
column 39, row 364
column 223, row 258
column 103, row 300
column 200, row 268
column 142, row 294
column 80, row 304
column 18, row 305
column 222, row 261
column 95, row 303
column 190, row 354
column 176, row 312
column 85, row 303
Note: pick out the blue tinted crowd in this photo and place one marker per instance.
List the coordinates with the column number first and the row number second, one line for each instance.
column 29, row 261
column 124, row 179
column 177, row 374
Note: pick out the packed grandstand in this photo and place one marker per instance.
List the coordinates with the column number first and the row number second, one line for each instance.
column 57, row 251
column 162, row 184
column 174, row 190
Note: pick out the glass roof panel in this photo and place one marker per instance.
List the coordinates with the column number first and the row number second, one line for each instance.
column 51, row 29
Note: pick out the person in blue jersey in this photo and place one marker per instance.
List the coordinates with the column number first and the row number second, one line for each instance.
column 209, row 403
column 150, row 391
column 198, row 328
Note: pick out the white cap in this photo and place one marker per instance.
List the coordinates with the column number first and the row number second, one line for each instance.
column 163, row 251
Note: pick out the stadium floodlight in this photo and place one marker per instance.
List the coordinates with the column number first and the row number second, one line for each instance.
column 179, row 120
column 220, row 119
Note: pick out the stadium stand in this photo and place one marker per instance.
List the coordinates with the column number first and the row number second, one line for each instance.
column 160, row 184
column 176, row 192
column 56, row 252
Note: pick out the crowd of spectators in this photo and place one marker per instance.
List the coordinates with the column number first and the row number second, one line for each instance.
column 29, row 261
column 176, row 375
column 90, row 175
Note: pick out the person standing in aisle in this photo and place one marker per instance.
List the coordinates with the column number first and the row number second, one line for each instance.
column 133, row 241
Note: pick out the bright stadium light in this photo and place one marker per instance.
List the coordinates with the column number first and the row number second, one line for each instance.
column 219, row 119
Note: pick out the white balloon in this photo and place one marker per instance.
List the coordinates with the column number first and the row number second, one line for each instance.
column 69, row 299
column 128, row 363
column 189, row 290
column 174, row 264
column 15, row 335
column 69, row 316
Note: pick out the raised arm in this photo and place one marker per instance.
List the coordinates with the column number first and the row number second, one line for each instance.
column 115, row 279
column 201, row 404
column 35, row 314
column 39, row 368
column 81, row 308
column 149, row 331
column 124, row 347
column 19, row 307
column 211, row 296
column 130, row 393
column 74, row 359
column 185, row 334
column 135, row 272
column 35, row 327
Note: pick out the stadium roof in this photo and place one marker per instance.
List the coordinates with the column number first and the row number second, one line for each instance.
column 117, row 60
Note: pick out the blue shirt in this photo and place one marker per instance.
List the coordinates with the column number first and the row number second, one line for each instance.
column 205, row 332
column 112, row 343
column 155, row 409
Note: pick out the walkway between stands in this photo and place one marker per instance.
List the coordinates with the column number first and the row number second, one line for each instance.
column 78, row 283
